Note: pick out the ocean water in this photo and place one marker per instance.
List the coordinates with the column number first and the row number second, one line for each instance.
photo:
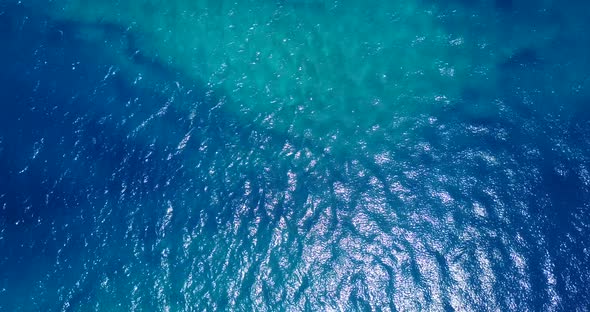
column 294, row 155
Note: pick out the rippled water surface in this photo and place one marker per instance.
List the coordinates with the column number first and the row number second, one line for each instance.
column 294, row 155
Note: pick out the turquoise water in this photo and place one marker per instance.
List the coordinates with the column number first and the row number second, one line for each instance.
column 294, row 155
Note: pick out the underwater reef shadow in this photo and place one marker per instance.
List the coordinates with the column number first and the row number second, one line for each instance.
column 51, row 115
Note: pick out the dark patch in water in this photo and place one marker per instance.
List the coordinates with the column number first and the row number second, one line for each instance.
column 503, row 4
column 523, row 58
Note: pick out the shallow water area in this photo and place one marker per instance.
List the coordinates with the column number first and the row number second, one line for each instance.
column 306, row 68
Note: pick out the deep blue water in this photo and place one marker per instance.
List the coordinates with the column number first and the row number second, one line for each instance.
column 125, row 196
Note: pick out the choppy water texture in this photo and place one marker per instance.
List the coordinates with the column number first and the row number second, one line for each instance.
column 294, row 155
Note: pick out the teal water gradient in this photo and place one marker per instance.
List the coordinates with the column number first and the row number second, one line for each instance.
column 294, row 155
